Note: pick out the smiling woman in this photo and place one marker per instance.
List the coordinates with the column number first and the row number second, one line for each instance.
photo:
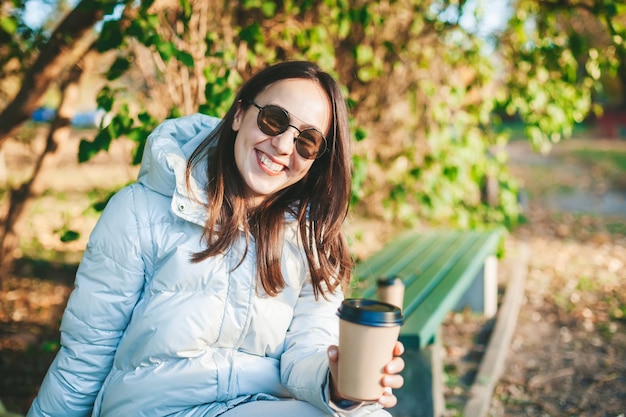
column 211, row 285
column 270, row 162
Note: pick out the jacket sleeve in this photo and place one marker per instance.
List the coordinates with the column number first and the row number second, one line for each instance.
column 304, row 364
column 108, row 284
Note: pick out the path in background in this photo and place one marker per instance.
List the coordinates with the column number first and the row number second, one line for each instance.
column 568, row 355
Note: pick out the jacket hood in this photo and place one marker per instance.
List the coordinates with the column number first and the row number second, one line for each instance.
column 164, row 165
column 166, row 153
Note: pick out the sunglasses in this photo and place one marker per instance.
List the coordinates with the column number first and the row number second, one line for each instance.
column 274, row 120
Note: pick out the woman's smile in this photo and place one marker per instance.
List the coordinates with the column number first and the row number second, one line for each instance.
column 267, row 163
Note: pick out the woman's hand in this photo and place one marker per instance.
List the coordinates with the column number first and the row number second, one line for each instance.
column 391, row 380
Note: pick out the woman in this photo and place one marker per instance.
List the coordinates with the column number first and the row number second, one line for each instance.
column 210, row 287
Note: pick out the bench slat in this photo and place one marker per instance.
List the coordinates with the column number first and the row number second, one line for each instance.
column 425, row 319
column 405, row 257
column 421, row 262
column 444, row 257
column 393, row 256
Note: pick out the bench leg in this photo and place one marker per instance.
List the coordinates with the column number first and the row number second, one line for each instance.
column 482, row 294
column 422, row 393
column 436, row 364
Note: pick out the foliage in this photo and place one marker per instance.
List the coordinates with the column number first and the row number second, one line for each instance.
column 414, row 76
column 555, row 55
column 18, row 42
column 426, row 92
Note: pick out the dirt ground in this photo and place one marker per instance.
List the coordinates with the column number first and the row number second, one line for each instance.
column 568, row 354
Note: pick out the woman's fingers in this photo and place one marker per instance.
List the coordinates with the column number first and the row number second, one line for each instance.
column 398, row 349
column 388, row 400
column 393, row 381
column 396, row 365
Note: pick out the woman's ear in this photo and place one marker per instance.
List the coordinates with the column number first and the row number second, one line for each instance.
column 238, row 119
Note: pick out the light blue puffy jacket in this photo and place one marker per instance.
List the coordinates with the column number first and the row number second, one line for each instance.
column 148, row 333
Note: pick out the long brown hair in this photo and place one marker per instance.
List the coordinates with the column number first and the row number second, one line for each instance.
column 319, row 201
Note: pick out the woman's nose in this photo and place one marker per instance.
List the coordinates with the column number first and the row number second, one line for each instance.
column 284, row 143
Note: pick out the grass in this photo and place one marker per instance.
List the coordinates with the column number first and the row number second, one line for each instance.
column 42, row 258
column 607, row 164
column 612, row 161
column 616, row 227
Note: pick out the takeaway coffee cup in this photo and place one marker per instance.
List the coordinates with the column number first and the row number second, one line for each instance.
column 368, row 331
column 391, row 290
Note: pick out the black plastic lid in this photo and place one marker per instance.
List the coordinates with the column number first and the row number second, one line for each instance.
column 388, row 281
column 370, row 312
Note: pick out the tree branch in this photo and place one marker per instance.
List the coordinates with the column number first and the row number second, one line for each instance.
column 56, row 55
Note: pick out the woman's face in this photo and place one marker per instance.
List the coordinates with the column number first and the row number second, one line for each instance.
column 271, row 163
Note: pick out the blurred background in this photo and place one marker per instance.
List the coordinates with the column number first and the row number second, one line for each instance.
column 465, row 115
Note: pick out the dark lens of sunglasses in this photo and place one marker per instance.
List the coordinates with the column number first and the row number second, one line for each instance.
column 273, row 120
column 310, row 143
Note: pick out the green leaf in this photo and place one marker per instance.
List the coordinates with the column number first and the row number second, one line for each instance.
column 50, row 346
column 107, row 6
column 185, row 58
column 268, row 8
column 167, row 50
column 137, row 155
column 252, row 34
column 98, row 206
column 146, row 118
column 186, row 7
column 121, row 123
column 364, row 54
column 8, row 24
column 69, row 236
column 146, row 4
column 88, row 149
column 118, row 68
column 361, row 16
column 138, row 29
column 366, row 74
column 175, row 112
column 111, row 36
column 344, row 26
column 360, row 134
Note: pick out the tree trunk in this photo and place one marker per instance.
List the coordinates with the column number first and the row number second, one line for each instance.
column 59, row 52
column 21, row 198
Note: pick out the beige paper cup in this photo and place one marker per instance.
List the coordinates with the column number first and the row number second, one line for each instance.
column 368, row 331
column 391, row 290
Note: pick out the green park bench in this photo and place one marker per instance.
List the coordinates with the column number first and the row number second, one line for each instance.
column 442, row 271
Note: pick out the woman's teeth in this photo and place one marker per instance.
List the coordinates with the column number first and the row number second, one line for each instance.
column 269, row 164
